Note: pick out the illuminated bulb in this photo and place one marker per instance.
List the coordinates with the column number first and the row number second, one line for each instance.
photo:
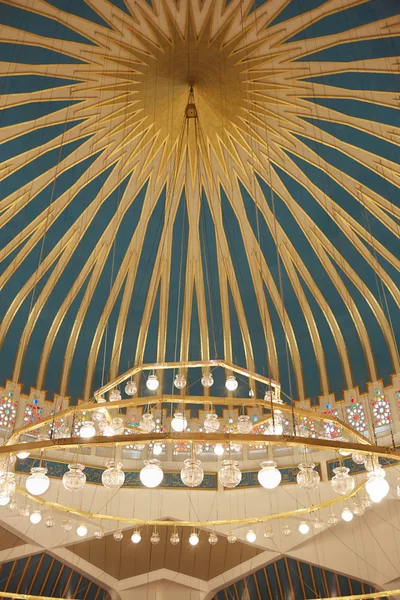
column 115, row 395
column 136, row 537
column 269, row 476
column 157, row 449
column 179, row 422
column 22, row 455
column 207, row 380
column 131, row 388
column 231, row 383
column 377, row 486
column 231, row 537
column 219, row 449
column 118, row 535
column 151, row 475
column 4, row 499
column 344, row 453
column 81, row 530
column 99, row 534
column 251, row 536
column 152, row 383
column 304, row 528
column 213, row 539
column 37, row 483
column 347, row 515
column 193, row 539
column 35, row 517
column 155, row 538
column 180, row 381
column 87, row 430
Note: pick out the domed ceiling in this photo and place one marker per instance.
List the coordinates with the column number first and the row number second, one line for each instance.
column 265, row 232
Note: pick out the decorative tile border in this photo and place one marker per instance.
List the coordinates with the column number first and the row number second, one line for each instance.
column 289, row 474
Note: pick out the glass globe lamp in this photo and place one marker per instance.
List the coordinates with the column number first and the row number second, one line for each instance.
column 231, row 383
column 62, row 432
column 358, row 508
column 152, row 383
column 136, row 537
column 113, row 477
column 115, row 395
column 286, row 530
column 231, row 537
column 342, row 482
column 66, row 525
column 370, row 463
column 269, row 396
column 359, row 459
column 174, row 539
column 118, row 426
column 207, row 380
column 274, row 426
column 22, row 455
column 152, row 474
column 179, row 422
column 81, row 530
column 118, row 535
column 307, row 477
column 4, row 499
column 155, row 538
column 332, row 519
column 377, row 486
column 213, row 539
column 318, row 524
column 25, row 510
column 244, row 424
column 35, row 517
column 251, row 536
column 366, row 502
column 268, row 533
column 147, row 423
column 192, row 474
column 235, row 447
column 193, row 539
column 180, row 381
column 347, row 515
column 37, row 483
column 49, row 521
column 269, row 477
column 157, row 449
column 74, row 479
column 13, row 505
column 99, row 533
column 219, row 449
column 304, row 528
column 7, row 484
column 211, row 423
column 87, row 430
column 229, row 474
column 131, row 388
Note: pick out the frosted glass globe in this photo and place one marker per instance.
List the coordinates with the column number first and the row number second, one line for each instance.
column 115, row 396
column 211, row 423
column 193, row 539
column 269, row 476
column 268, row 533
column 219, row 449
column 35, row 517
column 180, row 381
column 147, row 423
column 244, row 424
column 179, row 422
column 332, row 519
column 358, row 508
column 192, row 474
column 347, row 515
column 342, row 482
column 74, row 479
column 207, row 380
column 251, row 536
column 113, row 477
column 87, row 430
column 157, row 449
column 174, row 539
column 304, row 528
column 151, row 475
column 7, row 484
column 359, row 459
column 136, row 537
column 81, row 530
column 231, row 383
column 4, row 499
column 66, row 526
column 49, row 521
column 99, row 534
column 13, row 505
column 213, row 539
column 376, row 485
column 22, row 455
column 229, row 474
column 155, row 538
column 131, row 388
column 307, row 478
column 274, row 426
column 152, row 383
column 231, row 537
column 37, row 483
column 118, row 535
